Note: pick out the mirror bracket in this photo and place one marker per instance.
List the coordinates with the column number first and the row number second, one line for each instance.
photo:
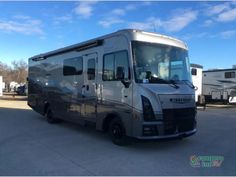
column 126, row 83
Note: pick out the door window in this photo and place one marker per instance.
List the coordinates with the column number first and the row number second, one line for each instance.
column 91, row 69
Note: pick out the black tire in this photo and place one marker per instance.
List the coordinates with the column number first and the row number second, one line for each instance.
column 50, row 118
column 117, row 132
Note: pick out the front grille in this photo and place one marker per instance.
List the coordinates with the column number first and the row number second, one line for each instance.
column 150, row 130
column 180, row 120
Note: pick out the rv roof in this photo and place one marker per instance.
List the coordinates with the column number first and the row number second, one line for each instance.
column 217, row 70
column 196, row 65
column 155, row 37
column 98, row 41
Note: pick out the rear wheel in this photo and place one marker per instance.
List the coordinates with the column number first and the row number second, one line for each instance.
column 50, row 117
column 117, row 132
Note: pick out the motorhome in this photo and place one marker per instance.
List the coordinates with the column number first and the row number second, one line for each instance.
column 196, row 71
column 130, row 83
column 220, row 85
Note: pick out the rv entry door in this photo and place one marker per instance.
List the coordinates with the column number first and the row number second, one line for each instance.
column 89, row 86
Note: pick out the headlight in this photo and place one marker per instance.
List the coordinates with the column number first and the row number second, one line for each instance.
column 148, row 113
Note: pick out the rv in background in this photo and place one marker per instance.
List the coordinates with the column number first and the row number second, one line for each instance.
column 1, row 86
column 196, row 71
column 219, row 85
column 129, row 83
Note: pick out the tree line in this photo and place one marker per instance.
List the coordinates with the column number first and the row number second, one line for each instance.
column 17, row 71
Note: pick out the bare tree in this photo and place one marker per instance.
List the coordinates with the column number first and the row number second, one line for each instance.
column 5, row 72
column 19, row 71
column 16, row 72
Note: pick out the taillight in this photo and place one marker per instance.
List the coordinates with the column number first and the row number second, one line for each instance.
column 148, row 113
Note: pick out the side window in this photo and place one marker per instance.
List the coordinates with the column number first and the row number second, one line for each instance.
column 73, row 66
column 91, row 69
column 229, row 74
column 108, row 67
column 113, row 61
column 121, row 60
column 194, row 71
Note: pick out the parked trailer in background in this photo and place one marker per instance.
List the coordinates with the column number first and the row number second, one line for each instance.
column 196, row 71
column 129, row 83
column 220, row 85
column 1, row 85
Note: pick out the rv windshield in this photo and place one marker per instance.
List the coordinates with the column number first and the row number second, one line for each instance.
column 158, row 63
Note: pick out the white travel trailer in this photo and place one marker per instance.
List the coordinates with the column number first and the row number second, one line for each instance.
column 130, row 83
column 1, row 85
column 220, row 85
column 196, row 71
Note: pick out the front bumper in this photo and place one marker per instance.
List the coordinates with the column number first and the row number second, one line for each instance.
column 174, row 123
column 177, row 135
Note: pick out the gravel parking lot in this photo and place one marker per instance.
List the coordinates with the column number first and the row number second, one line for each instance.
column 31, row 146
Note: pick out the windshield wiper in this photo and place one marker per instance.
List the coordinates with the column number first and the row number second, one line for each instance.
column 172, row 83
column 188, row 83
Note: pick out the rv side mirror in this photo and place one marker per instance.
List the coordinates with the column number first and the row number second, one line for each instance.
column 120, row 73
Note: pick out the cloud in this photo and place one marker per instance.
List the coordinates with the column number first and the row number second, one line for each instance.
column 194, row 36
column 151, row 23
column 22, row 24
column 62, row 19
column 115, row 16
column 22, row 17
column 179, row 21
column 119, row 12
column 106, row 23
column 224, row 12
column 85, row 9
column 175, row 23
column 140, row 25
column 233, row 3
column 227, row 16
column 228, row 34
column 130, row 7
column 208, row 23
column 213, row 10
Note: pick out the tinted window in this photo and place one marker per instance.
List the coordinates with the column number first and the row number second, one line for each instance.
column 194, row 71
column 229, row 74
column 91, row 69
column 73, row 66
column 108, row 70
column 112, row 62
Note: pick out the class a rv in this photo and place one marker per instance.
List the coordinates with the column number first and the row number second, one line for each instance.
column 129, row 83
column 219, row 85
column 196, row 71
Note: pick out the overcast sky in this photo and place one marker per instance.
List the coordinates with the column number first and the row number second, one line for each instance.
column 30, row 28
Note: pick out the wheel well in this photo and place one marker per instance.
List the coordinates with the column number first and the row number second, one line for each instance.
column 46, row 106
column 107, row 121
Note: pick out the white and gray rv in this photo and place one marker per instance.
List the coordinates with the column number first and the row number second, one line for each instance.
column 196, row 71
column 130, row 83
column 220, row 85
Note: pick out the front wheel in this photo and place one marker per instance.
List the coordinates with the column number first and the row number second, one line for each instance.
column 50, row 118
column 117, row 132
